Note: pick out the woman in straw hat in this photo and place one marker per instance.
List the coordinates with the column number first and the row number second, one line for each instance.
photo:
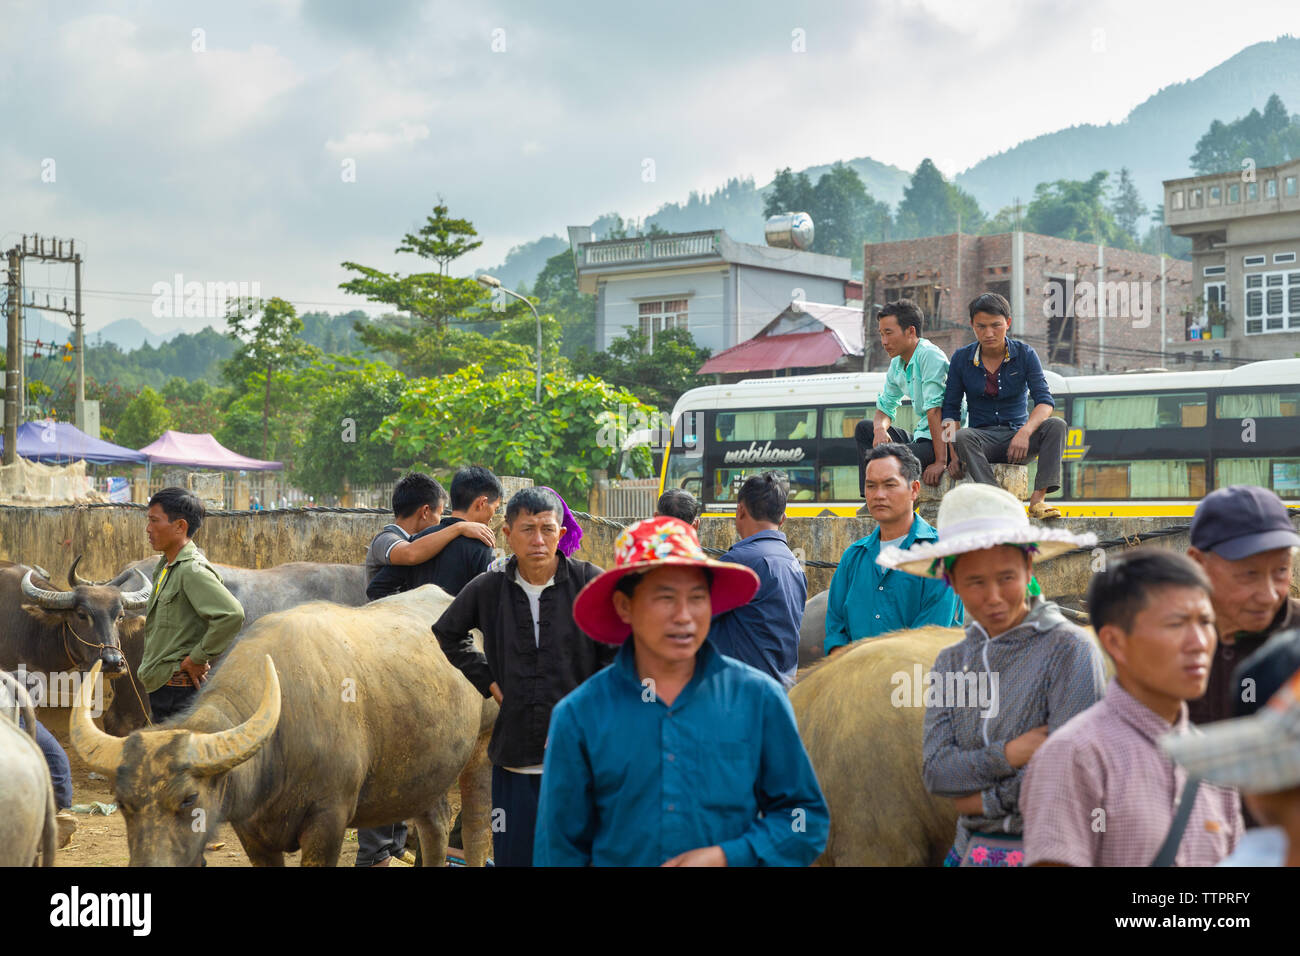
column 1021, row 672
column 674, row 754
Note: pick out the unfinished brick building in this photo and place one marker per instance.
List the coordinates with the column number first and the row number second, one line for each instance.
column 1082, row 307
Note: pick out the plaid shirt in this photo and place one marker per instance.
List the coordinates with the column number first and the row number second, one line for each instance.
column 1101, row 792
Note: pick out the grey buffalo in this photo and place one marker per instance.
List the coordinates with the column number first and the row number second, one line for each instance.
column 260, row 591
column 54, row 632
column 27, row 810
column 812, row 630
column 321, row 718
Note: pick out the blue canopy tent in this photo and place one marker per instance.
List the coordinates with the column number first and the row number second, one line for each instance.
column 57, row 442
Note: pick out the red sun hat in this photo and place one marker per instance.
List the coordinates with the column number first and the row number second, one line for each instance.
column 655, row 543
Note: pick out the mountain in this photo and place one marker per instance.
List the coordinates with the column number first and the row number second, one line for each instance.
column 129, row 335
column 1154, row 141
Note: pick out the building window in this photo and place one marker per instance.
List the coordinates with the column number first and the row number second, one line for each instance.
column 1290, row 187
column 1272, row 302
column 1215, row 270
column 1252, row 192
column 1128, row 412
column 1216, row 195
column 1196, row 199
column 1249, row 261
column 1282, row 257
column 657, row 316
column 1270, row 189
column 1176, row 199
column 1216, row 301
column 1234, row 193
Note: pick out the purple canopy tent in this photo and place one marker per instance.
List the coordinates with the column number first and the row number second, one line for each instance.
column 202, row 451
column 54, row 442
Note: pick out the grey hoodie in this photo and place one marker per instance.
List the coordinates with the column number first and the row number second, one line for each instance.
column 1042, row 671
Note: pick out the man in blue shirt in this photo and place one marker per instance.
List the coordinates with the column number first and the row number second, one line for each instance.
column 765, row 632
column 866, row 600
column 996, row 374
column 674, row 755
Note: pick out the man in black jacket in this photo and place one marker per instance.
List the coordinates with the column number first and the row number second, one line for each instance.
column 533, row 655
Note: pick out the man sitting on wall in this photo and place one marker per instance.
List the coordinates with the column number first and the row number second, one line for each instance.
column 996, row 375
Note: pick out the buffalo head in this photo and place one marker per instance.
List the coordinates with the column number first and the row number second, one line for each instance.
column 170, row 781
column 87, row 619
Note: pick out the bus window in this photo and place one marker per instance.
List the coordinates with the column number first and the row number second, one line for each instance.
column 1280, row 474
column 1120, row 480
column 686, row 456
column 1127, row 412
column 780, row 424
column 727, row 481
column 839, row 422
column 839, row 483
column 1258, row 405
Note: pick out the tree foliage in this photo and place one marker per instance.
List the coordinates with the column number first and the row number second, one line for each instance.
column 1263, row 139
column 144, row 420
column 465, row 418
column 844, row 213
column 657, row 377
column 1076, row 209
column 932, row 206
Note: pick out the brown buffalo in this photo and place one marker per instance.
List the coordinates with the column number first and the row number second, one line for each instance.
column 322, row 717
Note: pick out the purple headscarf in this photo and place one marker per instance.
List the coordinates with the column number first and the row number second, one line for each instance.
column 572, row 530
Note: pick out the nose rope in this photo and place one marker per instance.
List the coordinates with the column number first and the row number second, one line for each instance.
column 67, row 629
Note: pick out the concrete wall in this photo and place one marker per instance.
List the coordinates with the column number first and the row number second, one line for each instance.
column 702, row 288
column 112, row 537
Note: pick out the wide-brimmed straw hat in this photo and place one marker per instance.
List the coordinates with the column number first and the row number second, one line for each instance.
column 1258, row 754
column 973, row 517
column 655, row 543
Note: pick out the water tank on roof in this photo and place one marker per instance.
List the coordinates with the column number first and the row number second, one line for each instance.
column 793, row 230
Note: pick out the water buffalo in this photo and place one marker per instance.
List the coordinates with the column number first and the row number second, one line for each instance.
column 323, row 717
column 54, row 632
column 27, row 810
column 812, row 629
column 260, row 591
column 867, row 752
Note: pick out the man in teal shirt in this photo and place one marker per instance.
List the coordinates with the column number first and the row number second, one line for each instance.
column 918, row 369
column 866, row 600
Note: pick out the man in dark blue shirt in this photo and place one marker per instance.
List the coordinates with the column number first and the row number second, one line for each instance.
column 996, row 375
column 765, row 632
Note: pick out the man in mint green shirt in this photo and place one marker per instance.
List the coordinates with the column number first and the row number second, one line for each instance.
column 918, row 369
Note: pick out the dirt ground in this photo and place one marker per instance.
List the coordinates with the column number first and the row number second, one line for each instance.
column 101, row 841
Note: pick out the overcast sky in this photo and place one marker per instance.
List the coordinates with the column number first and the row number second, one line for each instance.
column 213, row 140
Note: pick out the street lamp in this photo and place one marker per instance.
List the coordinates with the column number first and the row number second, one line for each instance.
column 492, row 282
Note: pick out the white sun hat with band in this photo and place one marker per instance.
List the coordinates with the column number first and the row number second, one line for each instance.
column 973, row 517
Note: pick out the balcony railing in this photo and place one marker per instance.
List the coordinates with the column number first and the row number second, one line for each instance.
column 646, row 248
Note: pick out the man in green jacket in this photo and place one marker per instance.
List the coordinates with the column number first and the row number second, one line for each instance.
column 191, row 617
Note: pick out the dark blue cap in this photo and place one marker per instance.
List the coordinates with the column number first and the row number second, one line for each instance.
column 1267, row 669
column 1241, row 520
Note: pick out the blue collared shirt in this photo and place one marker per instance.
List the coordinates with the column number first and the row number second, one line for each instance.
column 1019, row 375
column 629, row 781
column 765, row 632
column 866, row 600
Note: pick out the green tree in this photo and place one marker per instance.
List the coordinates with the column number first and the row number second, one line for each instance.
column 268, row 334
column 144, row 420
column 1075, row 209
column 932, row 206
column 1160, row 239
column 657, row 377
column 556, row 292
column 844, row 213
column 790, row 192
column 1265, row 139
column 466, row 418
column 335, row 451
column 1127, row 206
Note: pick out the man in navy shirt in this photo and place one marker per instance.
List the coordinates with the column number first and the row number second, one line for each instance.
column 765, row 632
column 996, row 374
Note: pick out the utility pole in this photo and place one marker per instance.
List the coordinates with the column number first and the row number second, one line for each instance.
column 79, row 347
column 13, row 357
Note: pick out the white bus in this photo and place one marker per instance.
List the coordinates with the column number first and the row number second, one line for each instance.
column 1141, row 443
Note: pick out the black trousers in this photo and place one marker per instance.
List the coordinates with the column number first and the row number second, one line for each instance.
column 376, row 844
column 517, row 794
column 865, row 435
column 166, row 701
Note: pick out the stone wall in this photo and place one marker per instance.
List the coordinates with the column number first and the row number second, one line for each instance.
column 111, row 537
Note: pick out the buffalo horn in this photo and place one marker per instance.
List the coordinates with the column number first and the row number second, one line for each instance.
column 135, row 600
column 76, row 580
column 101, row 751
column 222, row 751
column 50, row 600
